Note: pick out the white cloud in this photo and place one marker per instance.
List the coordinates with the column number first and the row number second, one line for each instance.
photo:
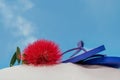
column 27, row 4
column 24, row 27
column 15, row 22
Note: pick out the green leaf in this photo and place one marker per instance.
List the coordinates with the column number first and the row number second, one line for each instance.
column 18, row 54
column 13, row 60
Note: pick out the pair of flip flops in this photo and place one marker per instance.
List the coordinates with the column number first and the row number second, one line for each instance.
column 92, row 57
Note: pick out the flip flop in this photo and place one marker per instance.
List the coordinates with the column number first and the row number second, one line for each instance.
column 106, row 61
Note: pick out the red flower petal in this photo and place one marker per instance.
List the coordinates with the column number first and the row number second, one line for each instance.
column 42, row 52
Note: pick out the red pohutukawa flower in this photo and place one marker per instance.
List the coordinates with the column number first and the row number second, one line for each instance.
column 42, row 52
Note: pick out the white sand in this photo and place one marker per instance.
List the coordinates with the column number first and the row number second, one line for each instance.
column 66, row 71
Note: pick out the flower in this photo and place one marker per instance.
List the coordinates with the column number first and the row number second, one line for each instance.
column 42, row 52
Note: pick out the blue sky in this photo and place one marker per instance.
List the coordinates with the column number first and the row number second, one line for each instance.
column 96, row 22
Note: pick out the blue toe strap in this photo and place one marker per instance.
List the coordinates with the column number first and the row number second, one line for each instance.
column 85, row 55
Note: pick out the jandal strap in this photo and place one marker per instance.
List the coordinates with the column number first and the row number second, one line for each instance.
column 85, row 55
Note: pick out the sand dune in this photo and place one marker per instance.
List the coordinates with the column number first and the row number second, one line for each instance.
column 64, row 71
